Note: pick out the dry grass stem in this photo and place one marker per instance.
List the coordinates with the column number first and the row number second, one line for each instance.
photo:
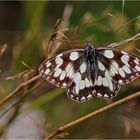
column 14, row 92
column 91, row 115
column 125, row 42
column 52, row 46
column 14, row 105
column 4, row 47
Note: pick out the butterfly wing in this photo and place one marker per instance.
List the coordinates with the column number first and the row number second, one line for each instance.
column 92, row 80
column 122, row 66
column 85, row 80
column 60, row 69
column 116, row 68
column 81, row 87
column 112, row 69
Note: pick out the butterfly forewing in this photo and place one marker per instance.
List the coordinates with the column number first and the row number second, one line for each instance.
column 123, row 67
column 60, row 69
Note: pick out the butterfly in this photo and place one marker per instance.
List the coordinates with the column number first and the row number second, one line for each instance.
column 91, row 72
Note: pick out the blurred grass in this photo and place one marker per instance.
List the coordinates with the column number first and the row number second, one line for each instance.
column 45, row 98
column 100, row 20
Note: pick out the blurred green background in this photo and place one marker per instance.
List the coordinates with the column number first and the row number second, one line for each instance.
column 25, row 25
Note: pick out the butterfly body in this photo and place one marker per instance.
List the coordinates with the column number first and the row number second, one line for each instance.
column 91, row 72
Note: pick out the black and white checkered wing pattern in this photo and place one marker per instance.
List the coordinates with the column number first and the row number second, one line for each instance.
column 115, row 68
column 112, row 69
column 93, row 82
column 91, row 72
column 123, row 67
column 81, row 88
column 60, row 69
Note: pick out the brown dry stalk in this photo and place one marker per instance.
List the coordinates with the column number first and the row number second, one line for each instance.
column 22, row 96
column 54, row 43
column 14, row 92
column 93, row 114
column 127, row 41
column 4, row 47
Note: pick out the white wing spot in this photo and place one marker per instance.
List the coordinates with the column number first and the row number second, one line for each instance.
column 136, row 61
column 83, row 98
column 99, row 94
column 124, row 52
column 108, row 53
column 82, row 84
column 52, row 80
column 62, row 76
column 57, row 72
column 68, row 67
column 47, row 71
column 64, row 84
column 105, row 83
column 99, row 81
column 90, row 82
column 74, row 56
column 120, row 81
column 48, row 77
column 126, row 69
column 105, row 95
column 116, row 66
column 113, row 70
column 48, row 64
column 125, row 59
column 77, row 79
column 59, row 62
column 87, row 82
column 137, row 68
column 59, row 55
column 94, row 91
column 71, row 95
column 83, row 68
column 89, row 96
column 132, row 77
column 121, row 72
column 70, row 73
column 101, row 66
column 137, row 74
column 109, row 79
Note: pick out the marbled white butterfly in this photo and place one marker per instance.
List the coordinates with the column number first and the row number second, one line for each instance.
column 90, row 72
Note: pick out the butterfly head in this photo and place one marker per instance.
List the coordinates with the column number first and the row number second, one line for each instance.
column 89, row 46
column 90, row 51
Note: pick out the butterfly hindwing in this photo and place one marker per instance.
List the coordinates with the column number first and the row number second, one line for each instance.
column 84, row 87
column 81, row 87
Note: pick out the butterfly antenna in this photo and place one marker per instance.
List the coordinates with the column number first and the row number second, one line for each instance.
column 92, row 40
column 86, row 41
